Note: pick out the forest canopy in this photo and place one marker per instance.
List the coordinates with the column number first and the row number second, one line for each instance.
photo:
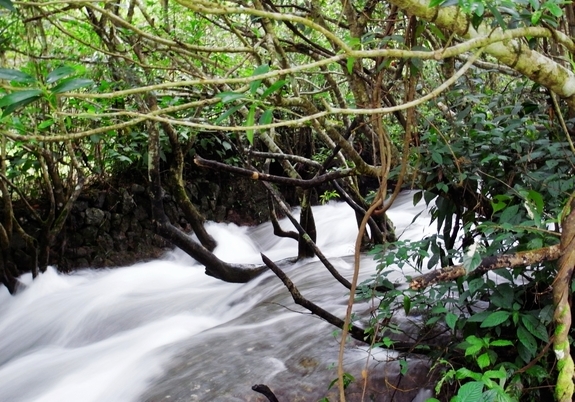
column 471, row 102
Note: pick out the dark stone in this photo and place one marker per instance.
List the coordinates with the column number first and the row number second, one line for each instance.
column 141, row 214
column 105, row 243
column 89, row 233
column 137, row 189
column 128, row 204
column 116, row 219
column 220, row 213
column 94, row 216
column 81, row 263
column 80, row 206
column 81, row 252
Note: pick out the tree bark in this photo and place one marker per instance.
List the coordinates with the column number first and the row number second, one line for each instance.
column 518, row 259
column 513, row 53
column 562, row 315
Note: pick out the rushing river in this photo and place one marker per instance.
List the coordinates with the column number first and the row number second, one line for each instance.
column 164, row 331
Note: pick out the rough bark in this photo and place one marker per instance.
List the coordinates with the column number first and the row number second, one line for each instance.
column 513, row 53
column 562, row 315
column 178, row 190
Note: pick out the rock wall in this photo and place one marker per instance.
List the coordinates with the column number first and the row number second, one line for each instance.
column 112, row 225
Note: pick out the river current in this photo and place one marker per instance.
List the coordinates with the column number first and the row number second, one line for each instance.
column 164, row 331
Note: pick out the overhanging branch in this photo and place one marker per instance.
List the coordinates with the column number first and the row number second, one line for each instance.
column 316, row 181
column 523, row 258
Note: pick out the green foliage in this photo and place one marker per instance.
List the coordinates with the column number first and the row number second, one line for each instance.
column 19, row 99
column 347, row 380
column 7, row 4
column 327, row 196
column 508, row 13
column 255, row 98
column 495, row 178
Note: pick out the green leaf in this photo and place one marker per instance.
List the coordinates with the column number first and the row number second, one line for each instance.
column 254, row 85
column 479, row 317
column 276, row 86
column 553, row 9
column 499, row 202
column 437, row 158
column 7, row 4
column 500, row 374
column 45, row 124
column 71, row 84
column 18, row 105
column 501, row 342
column 417, row 197
column 228, row 113
column 536, row 16
column 463, row 372
column 526, row 339
column 250, row 122
column 428, row 196
column 509, row 214
column 266, row 117
column 58, row 73
column 474, row 285
column 483, row 360
column 227, row 97
column 264, row 68
column 350, row 62
column 435, row 3
column 471, row 259
column 442, row 187
column 497, row 15
column 535, row 327
column 470, row 392
column 524, row 353
column 16, row 100
column 473, row 349
column 406, row 304
column 495, row 318
column 16, row 76
column 403, row 366
column 451, row 320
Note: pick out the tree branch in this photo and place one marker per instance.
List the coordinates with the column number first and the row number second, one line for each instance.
column 199, row 161
column 522, row 258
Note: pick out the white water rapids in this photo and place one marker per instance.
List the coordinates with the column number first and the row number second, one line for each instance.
column 163, row 330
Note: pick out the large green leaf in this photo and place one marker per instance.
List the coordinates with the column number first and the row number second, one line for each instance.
column 495, row 318
column 17, row 100
column 535, row 327
column 526, row 339
column 470, row 392
column 228, row 113
column 15, row 75
column 71, row 84
column 267, row 117
column 276, row 86
column 451, row 320
column 7, row 4
column 254, row 85
column 19, row 96
column 250, row 122
column 58, row 73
